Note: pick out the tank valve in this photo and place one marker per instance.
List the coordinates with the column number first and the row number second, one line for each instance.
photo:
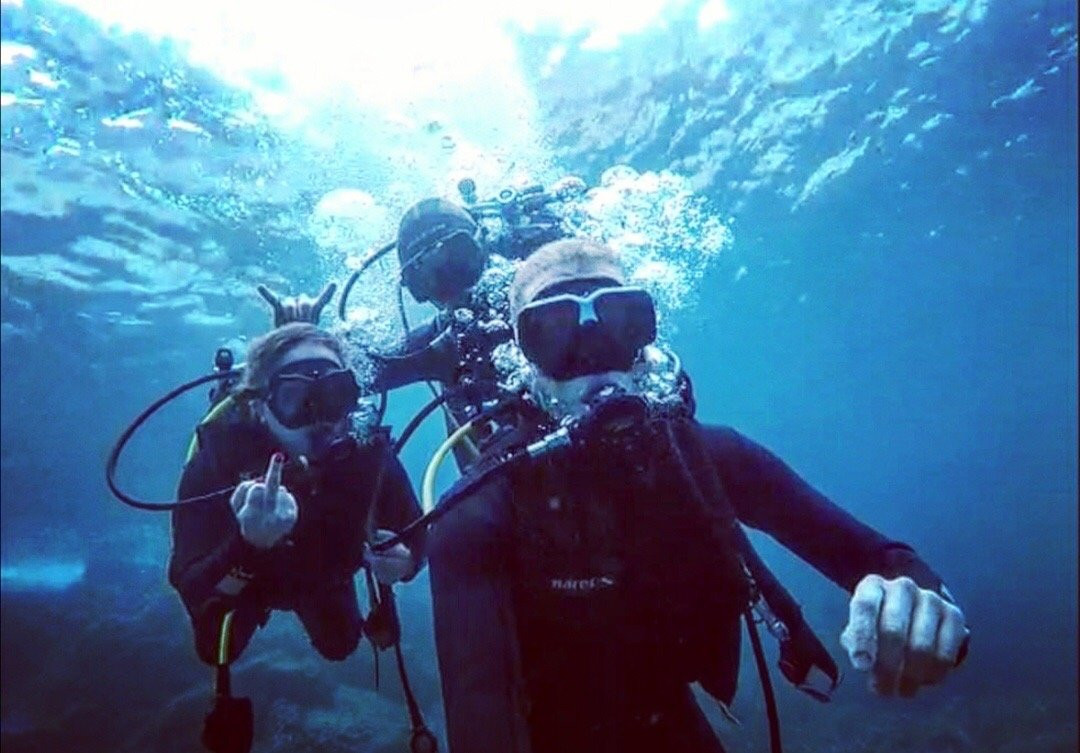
column 223, row 359
column 467, row 188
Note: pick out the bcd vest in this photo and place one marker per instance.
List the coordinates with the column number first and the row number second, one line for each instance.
column 631, row 543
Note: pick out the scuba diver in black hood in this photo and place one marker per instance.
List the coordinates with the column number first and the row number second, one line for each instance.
column 443, row 249
column 592, row 564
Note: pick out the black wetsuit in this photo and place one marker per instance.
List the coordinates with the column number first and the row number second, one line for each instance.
column 311, row 571
column 565, row 628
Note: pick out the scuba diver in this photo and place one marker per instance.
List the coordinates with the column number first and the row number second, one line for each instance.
column 443, row 249
column 301, row 500
column 592, row 564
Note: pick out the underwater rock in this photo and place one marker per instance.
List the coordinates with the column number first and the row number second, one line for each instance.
column 357, row 719
column 116, row 671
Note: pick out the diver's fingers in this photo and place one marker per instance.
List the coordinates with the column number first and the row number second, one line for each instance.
column 273, row 479
column 269, row 297
column 296, row 309
column 324, row 298
column 254, row 500
column 933, row 673
column 286, row 509
column 859, row 638
column 951, row 635
column 239, row 495
column 932, row 676
column 893, row 627
column 920, row 661
column 292, row 310
column 382, row 534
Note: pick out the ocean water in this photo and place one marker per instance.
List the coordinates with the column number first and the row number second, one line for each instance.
column 860, row 219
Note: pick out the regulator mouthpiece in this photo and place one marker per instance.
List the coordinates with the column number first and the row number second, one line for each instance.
column 612, row 410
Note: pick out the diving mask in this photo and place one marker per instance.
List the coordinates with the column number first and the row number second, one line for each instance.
column 568, row 336
column 442, row 267
column 312, row 391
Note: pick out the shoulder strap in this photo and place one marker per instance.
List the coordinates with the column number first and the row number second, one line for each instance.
column 800, row 649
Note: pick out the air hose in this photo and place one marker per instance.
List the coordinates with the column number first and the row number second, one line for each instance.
column 427, row 493
column 766, row 684
column 420, row 740
column 427, row 496
column 216, row 412
column 406, row 434
column 373, row 257
column 382, row 599
column 414, row 423
column 118, row 448
column 467, row 484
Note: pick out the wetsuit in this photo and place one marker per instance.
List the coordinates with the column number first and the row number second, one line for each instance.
column 550, row 630
column 311, row 571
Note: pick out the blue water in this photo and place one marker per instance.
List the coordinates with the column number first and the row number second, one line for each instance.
column 893, row 310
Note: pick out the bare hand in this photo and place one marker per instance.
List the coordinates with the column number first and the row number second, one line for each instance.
column 393, row 565
column 265, row 510
column 297, row 309
column 905, row 635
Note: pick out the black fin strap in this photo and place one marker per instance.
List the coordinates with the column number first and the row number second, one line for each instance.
column 229, row 727
column 222, row 680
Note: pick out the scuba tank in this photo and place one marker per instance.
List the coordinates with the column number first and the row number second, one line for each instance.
column 221, row 400
column 223, row 362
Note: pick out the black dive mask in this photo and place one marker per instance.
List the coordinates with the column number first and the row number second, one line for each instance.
column 312, row 391
column 568, row 336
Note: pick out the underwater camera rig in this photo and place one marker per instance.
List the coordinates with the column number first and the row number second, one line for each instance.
column 526, row 214
column 455, row 346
